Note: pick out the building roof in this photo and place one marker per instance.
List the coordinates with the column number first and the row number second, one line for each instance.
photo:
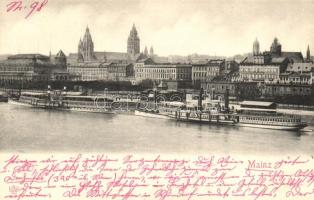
column 296, row 74
column 4, row 56
column 112, row 56
column 120, row 64
column 278, row 60
column 248, row 59
column 28, row 56
column 292, row 56
column 160, row 59
column 216, row 61
column 17, row 62
column 101, row 56
column 59, row 71
column 295, row 56
column 89, row 64
column 146, row 61
column 60, row 54
column 257, row 103
column 274, row 60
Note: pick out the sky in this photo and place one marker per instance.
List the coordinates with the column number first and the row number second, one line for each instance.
column 172, row 27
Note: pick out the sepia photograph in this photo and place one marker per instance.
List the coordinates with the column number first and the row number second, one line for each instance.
column 156, row 99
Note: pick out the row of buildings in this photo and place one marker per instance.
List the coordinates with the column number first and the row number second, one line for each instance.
column 268, row 73
column 34, row 67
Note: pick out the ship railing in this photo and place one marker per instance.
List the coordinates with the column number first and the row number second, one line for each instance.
column 268, row 119
column 296, row 107
column 84, row 104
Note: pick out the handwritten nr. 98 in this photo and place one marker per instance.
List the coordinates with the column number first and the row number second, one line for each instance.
column 133, row 177
column 30, row 6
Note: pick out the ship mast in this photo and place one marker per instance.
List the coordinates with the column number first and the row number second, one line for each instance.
column 200, row 100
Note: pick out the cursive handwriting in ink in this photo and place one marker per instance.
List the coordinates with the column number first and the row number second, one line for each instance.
column 30, row 8
column 155, row 177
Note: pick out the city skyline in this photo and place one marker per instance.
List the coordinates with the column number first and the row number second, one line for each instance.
column 203, row 27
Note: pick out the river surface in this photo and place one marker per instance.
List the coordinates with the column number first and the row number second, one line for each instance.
column 25, row 130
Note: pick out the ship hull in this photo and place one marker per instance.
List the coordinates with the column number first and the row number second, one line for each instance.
column 203, row 121
column 89, row 110
column 17, row 103
column 151, row 115
column 274, row 127
column 71, row 109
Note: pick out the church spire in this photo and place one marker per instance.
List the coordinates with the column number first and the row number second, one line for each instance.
column 256, row 47
column 151, row 51
column 308, row 53
column 145, row 51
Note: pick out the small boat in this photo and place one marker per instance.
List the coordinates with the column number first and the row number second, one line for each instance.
column 3, row 97
column 151, row 114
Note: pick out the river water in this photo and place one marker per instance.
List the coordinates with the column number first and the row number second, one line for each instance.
column 26, row 130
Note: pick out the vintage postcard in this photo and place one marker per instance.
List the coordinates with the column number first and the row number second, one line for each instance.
column 156, row 99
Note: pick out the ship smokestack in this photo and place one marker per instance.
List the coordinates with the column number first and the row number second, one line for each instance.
column 227, row 99
column 200, row 100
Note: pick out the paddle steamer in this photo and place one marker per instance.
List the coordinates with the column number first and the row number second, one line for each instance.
column 67, row 101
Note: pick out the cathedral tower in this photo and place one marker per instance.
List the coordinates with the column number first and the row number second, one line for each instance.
column 86, row 47
column 256, row 47
column 133, row 46
column 275, row 47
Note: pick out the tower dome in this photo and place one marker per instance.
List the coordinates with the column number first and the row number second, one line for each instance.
column 275, row 47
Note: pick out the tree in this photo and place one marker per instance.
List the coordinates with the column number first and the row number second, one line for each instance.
column 147, row 83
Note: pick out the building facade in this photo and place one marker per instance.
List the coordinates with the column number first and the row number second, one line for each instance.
column 237, row 90
column 93, row 71
column 264, row 67
column 297, row 78
column 148, row 69
column 300, row 67
column 260, row 73
column 120, row 72
column 207, row 71
column 285, row 90
column 34, row 67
